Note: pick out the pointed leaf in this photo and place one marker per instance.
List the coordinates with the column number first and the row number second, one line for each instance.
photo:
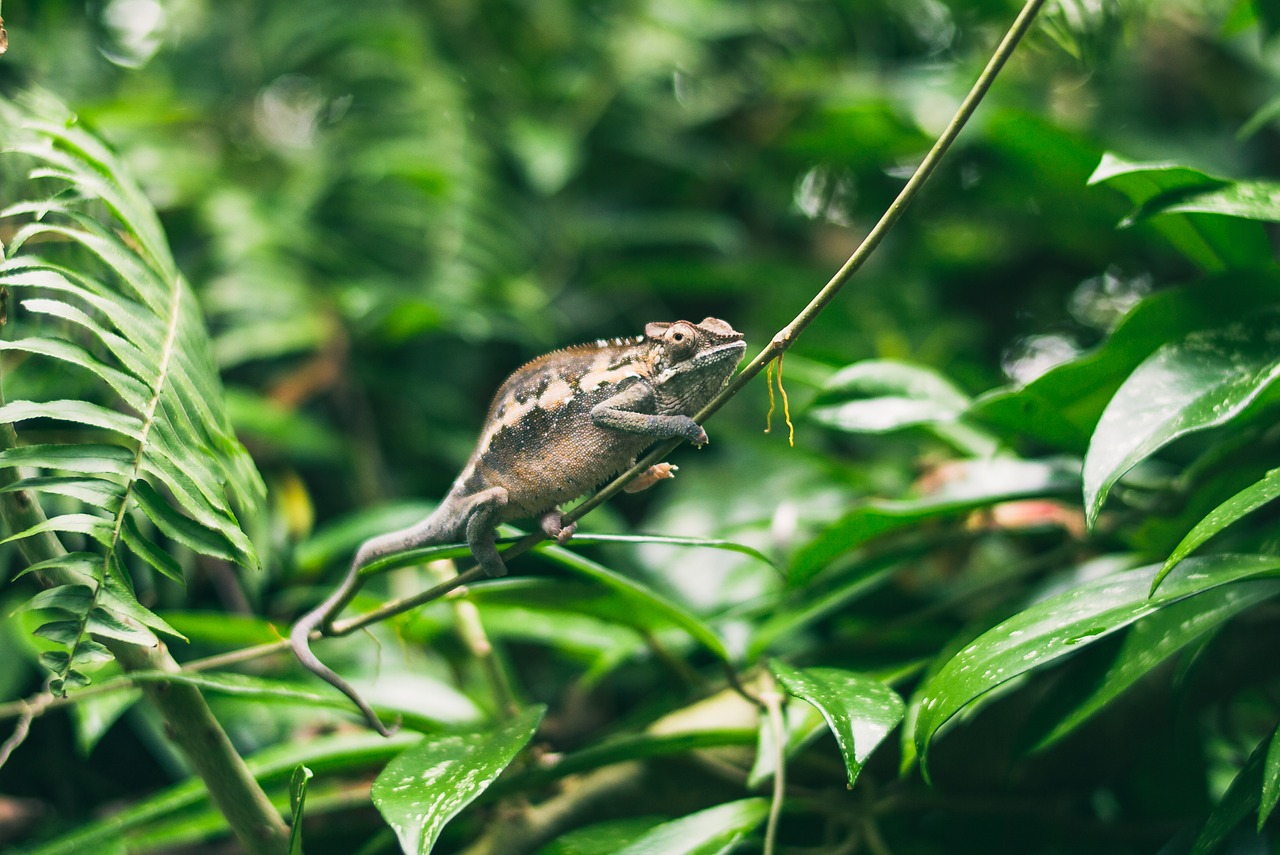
column 1201, row 381
column 1155, row 638
column 859, row 710
column 297, row 800
column 426, row 786
column 1245, row 502
column 79, row 412
column 1062, row 624
column 703, row 833
column 1270, row 780
column 87, row 459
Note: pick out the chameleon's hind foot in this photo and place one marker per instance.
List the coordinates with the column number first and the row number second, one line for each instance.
column 552, row 525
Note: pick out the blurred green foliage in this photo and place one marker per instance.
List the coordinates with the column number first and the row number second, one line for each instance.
column 383, row 209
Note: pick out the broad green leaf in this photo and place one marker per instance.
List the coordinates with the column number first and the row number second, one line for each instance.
column 1198, row 382
column 426, row 786
column 1061, row 407
column 1055, row 627
column 604, row 838
column 859, row 710
column 971, row 484
column 1250, row 200
column 881, row 395
column 297, row 800
column 1245, row 502
column 707, row 832
column 1213, row 242
column 1153, row 639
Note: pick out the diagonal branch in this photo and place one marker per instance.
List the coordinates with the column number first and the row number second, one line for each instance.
column 782, row 340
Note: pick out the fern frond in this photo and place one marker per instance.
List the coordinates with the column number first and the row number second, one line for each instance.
column 148, row 454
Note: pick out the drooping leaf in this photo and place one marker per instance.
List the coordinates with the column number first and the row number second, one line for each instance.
column 426, row 786
column 1061, row 407
column 1055, row 627
column 859, row 710
column 1198, row 382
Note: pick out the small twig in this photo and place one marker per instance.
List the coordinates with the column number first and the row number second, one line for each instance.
column 772, row 700
column 23, row 727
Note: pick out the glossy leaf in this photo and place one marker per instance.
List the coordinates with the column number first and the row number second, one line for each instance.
column 1213, row 242
column 1050, row 629
column 860, row 710
column 297, row 801
column 1062, row 406
column 880, row 395
column 1270, row 780
column 1153, row 639
column 1241, row 799
column 706, row 832
column 1245, row 502
column 1198, row 382
column 426, row 786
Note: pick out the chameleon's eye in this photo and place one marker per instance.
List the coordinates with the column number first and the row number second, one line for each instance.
column 681, row 342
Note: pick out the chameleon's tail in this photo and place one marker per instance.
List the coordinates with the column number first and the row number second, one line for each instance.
column 300, row 641
column 427, row 531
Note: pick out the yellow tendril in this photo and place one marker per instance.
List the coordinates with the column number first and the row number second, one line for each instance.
column 786, row 404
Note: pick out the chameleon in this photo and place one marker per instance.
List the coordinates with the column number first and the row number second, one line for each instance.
column 558, row 427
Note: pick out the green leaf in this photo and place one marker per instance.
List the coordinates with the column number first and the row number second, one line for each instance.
column 78, row 412
column 882, row 395
column 1251, row 200
column 426, row 786
column 1061, row 407
column 971, row 484
column 1270, row 780
column 1201, row 381
column 297, row 800
column 1065, row 623
column 1241, row 799
column 640, row 597
column 86, row 459
column 1245, row 502
column 1213, row 242
column 859, row 710
column 1153, row 639
column 706, row 832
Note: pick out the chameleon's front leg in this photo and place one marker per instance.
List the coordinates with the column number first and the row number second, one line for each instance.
column 631, row 411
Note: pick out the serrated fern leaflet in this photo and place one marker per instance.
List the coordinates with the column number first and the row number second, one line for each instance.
column 143, row 463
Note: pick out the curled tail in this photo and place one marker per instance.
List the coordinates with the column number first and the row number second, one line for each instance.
column 300, row 642
column 427, row 532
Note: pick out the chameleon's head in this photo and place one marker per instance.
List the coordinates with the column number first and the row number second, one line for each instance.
column 691, row 362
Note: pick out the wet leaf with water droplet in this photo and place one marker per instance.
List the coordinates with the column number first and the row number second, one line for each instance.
column 859, row 710
column 1072, row 620
column 427, row 785
column 1201, row 381
column 1246, row 501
